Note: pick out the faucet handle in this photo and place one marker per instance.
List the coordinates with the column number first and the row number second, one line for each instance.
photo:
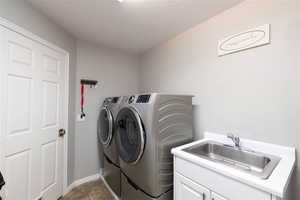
column 235, row 139
column 230, row 135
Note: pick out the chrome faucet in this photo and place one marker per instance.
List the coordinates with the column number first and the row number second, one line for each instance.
column 235, row 139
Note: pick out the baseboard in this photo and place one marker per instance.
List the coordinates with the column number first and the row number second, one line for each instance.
column 109, row 189
column 82, row 181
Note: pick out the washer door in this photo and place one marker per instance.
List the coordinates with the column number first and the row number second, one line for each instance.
column 130, row 136
column 105, row 126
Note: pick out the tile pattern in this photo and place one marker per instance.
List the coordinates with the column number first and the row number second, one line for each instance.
column 95, row 190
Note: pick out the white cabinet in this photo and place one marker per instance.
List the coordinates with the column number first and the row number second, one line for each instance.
column 187, row 189
column 193, row 182
column 215, row 196
column 194, row 175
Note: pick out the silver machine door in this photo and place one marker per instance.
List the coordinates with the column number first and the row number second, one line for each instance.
column 105, row 126
column 130, row 135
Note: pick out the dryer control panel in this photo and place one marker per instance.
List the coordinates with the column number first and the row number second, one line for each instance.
column 131, row 99
column 143, row 98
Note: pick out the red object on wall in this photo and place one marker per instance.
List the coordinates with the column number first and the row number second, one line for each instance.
column 82, row 101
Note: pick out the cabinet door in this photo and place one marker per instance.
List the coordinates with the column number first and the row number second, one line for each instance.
column 187, row 189
column 215, row 196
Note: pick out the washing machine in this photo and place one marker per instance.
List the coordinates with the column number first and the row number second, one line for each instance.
column 106, row 136
column 148, row 126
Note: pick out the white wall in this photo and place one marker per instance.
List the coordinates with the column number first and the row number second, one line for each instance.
column 254, row 93
column 117, row 74
column 23, row 14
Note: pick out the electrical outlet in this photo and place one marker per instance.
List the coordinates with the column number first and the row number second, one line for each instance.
column 79, row 118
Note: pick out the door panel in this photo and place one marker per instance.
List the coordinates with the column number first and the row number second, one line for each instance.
column 187, row 189
column 20, row 54
column 48, row 164
column 51, row 65
column 50, row 104
column 52, row 83
column 18, row 179
column 32, row 79
column 19, row 99
column 17, row 122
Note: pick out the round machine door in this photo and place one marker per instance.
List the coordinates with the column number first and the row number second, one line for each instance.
column 105, row 126
column 130, row 135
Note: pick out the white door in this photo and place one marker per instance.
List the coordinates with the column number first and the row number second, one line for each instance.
column 32, row 112
column 187, row 189
column 215, row 196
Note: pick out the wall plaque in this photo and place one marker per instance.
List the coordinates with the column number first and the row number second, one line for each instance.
column 245, row 40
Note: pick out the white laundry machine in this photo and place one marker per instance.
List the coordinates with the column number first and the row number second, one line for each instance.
column 147, row 127
column 106, row 136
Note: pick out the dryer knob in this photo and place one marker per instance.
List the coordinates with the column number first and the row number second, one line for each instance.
column 131, row 99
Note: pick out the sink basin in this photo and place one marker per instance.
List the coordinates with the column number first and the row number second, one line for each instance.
column 257, row 164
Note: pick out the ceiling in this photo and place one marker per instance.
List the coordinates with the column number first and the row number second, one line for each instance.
column 134, row 25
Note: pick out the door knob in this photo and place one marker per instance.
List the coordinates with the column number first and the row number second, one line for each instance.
column 61, row 132
column 2, row 182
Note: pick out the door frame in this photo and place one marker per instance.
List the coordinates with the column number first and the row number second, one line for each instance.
column 13, row 27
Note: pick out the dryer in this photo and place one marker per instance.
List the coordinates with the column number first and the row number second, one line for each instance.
column 106, row 136
column 148, row 126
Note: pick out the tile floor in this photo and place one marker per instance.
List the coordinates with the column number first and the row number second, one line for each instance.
column 95, row 190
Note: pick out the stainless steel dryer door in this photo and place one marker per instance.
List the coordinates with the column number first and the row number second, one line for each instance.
column 130, row 135
column 105, row 126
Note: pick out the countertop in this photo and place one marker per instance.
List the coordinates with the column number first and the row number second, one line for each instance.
column 276, row 184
